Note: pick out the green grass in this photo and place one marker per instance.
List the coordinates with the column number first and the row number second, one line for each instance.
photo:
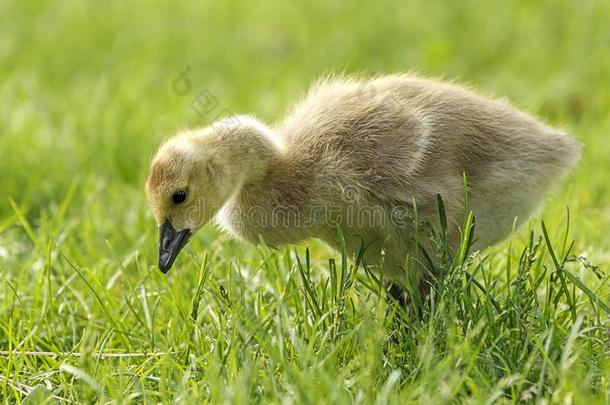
column 87, row 95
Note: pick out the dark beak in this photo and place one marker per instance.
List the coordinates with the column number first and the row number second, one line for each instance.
column 171, row 243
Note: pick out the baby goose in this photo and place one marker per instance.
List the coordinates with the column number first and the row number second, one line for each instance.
column 357, row 156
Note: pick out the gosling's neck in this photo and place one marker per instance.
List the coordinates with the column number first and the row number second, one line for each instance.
column 250, row 151
column 248, row 147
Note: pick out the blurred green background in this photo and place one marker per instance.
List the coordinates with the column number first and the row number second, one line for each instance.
column 87, row 95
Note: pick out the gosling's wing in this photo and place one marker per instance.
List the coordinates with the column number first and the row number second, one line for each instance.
column 510, row 159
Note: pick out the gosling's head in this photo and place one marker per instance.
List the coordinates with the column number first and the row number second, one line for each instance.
column 196, row 172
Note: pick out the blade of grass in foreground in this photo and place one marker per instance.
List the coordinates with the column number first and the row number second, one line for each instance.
column 575, row 280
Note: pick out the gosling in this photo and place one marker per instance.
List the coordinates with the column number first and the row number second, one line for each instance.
column 350, row 165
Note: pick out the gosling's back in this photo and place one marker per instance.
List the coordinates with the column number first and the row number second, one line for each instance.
column 400, row 138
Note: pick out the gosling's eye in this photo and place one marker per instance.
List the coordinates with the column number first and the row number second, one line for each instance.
column 179, row 197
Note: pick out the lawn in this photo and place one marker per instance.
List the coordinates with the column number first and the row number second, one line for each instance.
column 89, row 89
